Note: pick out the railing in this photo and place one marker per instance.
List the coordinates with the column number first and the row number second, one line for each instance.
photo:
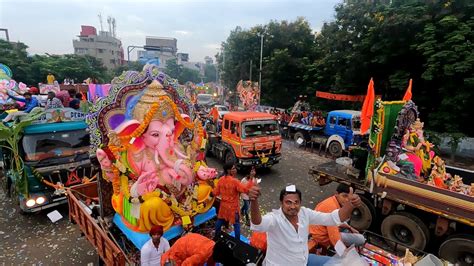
column 107, row 249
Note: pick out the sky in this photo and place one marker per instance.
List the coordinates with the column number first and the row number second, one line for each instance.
column 200, row 26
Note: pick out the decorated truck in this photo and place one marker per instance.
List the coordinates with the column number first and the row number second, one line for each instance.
column 43, row 154
column 152, row 172
column 338, row 132
column 246, row 138
column 408, row 191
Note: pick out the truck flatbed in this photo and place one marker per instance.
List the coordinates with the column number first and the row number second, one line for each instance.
column 305, row 127
column 443, row 202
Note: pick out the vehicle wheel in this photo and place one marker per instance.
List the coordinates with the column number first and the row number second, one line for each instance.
column 363, row 216
column 458, row 249
column 335, row 149
column 298, row 135
column 229, row 157
column 407, row 229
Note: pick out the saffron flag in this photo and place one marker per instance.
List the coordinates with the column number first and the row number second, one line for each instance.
column 408, row 94
column 367, row 108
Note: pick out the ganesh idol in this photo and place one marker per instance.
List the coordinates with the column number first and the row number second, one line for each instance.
column 157, row 178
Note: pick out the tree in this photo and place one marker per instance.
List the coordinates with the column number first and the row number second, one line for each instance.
column 188, row 74
column 210, row 73
column 131, row 66
column 173, row 69
column 14, row 55
column 286, row 53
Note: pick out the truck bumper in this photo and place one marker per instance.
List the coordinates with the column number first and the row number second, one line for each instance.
column 51, row 202
column 259, row 162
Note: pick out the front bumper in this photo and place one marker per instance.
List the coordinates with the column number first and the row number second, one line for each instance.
column 260, row 162
column 51, row 201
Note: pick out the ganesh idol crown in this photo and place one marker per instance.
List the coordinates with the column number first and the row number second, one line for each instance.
column 150, row 151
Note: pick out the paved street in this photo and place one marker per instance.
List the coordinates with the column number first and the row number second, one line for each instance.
column 33, row 239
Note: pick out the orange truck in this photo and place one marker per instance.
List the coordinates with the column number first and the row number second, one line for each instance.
column 245, row 138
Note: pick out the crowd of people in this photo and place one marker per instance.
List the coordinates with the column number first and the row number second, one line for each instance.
column 32, row 100
column 285, row 231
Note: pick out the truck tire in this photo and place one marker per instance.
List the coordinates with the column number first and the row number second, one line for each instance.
column 407, row 229
column 458, row 249
column 335, row 149
column 299, row 135
column 363, row 216
column 229, row 157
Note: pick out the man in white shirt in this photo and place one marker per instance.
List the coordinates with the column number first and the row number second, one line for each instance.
column 288, row 227
column 153, row 249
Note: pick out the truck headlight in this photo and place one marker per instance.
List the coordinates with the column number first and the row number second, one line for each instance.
column 30, row 203
column 40, row 200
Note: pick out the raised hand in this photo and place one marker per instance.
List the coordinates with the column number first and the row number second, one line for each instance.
column 254, row 192
column 354, row 199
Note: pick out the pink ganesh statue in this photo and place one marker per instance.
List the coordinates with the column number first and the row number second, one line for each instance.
column 156, row 179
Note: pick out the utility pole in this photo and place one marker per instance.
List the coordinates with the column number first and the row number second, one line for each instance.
column 250, row 70
column 260, row 72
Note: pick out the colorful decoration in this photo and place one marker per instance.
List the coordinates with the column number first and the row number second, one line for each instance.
column 407, row 153
column 249, row 94
column 5, row 69
column 137, row 133
column 97, row 91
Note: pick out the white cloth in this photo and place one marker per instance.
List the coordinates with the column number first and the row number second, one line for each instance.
column 285, row 246
column 150, row 255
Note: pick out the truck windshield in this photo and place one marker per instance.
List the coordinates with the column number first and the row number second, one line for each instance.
column 204, row 98
column 259, row 129
column 43, row 146
column 356, row 124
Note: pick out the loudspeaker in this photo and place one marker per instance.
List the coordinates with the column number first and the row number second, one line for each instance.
column 230, row 251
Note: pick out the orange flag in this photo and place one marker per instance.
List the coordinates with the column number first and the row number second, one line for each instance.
column 408, row 94
column 367, row 108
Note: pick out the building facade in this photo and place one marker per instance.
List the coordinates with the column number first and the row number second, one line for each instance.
column 158, row 50
column 103, row 46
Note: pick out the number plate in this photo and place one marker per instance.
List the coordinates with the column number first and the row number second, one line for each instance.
column 264, row 159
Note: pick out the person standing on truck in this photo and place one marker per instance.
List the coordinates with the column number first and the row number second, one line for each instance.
column 30, row 103
column 229, row 189
column 288, row 227
column 151, row 252
column 327, row 236
column 245, row 197
column 52, row 102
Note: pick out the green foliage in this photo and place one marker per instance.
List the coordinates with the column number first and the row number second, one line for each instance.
column 182, row 74
column 34, row 69
column 11, row 135
column 210, row 73
column 431, row 42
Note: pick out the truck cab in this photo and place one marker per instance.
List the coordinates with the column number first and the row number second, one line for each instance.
column 342, row 130
column 55, row 156
column 247, row 139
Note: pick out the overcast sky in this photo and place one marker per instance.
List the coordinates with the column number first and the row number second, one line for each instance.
column 49, row 26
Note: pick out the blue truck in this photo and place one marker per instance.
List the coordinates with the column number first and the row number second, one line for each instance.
column 341, row 131
column 54, row 152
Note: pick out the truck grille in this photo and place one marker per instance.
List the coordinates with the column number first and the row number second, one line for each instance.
column 264, row 151
column 68, row 174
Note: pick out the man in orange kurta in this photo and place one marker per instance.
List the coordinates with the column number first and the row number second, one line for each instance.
column 327, row 236
column 229, row 188
column 191, row 249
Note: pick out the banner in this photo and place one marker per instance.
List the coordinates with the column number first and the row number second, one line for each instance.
column 45, row 88
column 340, row 97
column 60, row 115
